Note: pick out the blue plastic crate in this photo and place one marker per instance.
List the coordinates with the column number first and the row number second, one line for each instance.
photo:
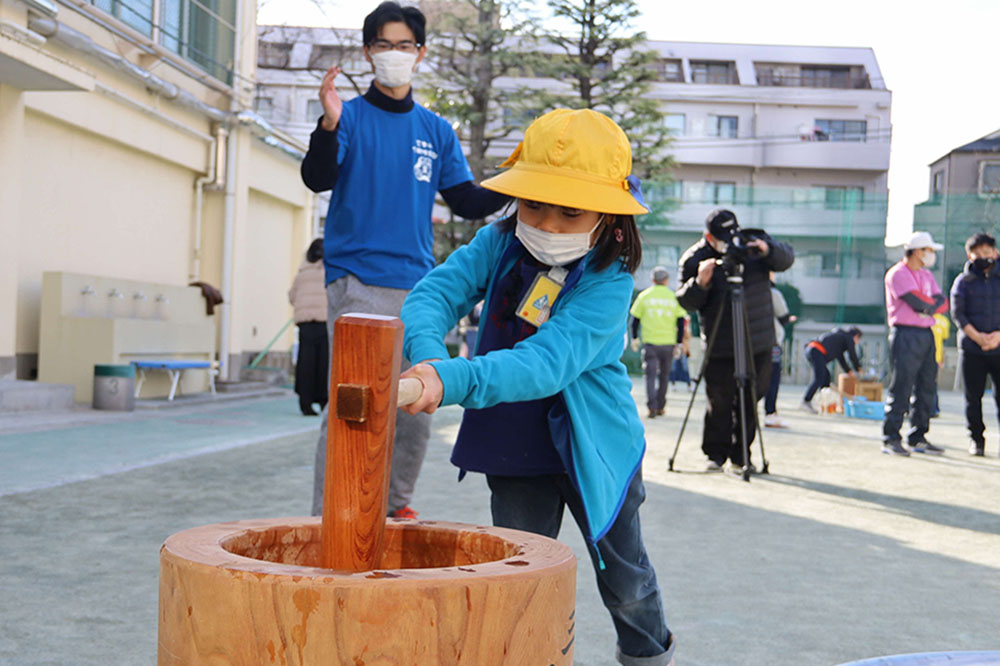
column 859, row 408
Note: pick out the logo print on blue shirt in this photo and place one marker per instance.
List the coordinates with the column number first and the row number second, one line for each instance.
column 422, row 169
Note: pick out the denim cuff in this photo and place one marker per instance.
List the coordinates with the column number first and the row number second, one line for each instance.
column 662, row 659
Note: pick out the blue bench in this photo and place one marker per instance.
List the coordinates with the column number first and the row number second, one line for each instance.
column 174, row 369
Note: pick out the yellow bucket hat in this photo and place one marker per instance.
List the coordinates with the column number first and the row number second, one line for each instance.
column 573, row 158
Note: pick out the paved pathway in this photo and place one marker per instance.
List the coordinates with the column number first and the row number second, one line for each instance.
column 840, row 553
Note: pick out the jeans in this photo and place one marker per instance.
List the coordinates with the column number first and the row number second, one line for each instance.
column 627, row 583
column 721, row 437
column 821, row 374
column 679, row 370
column 914, row 372
column 656, row 362
column 974, row 369
column 348, row 294
column 771, row 399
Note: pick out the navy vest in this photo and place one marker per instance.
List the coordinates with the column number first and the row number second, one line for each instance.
column 508, row 439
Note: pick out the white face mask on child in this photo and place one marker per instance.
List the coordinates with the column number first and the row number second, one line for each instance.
column 554, row 249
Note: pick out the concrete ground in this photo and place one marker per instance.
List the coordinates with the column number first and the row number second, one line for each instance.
column 840, row 553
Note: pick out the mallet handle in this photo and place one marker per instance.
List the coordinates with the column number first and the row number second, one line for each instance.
column 364, row 377
column 410, row 389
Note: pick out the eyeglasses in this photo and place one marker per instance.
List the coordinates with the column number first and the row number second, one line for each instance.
column 383, row 45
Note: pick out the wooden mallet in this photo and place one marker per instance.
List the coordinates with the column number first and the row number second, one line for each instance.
column 365, row 390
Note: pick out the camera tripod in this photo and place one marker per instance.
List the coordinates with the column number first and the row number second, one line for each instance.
column 744, row 373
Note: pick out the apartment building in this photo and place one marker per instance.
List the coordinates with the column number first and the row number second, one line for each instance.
column 963, row 197
column 794, row 139
column 129, row 155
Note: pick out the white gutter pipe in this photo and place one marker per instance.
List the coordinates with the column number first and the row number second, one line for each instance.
column 229, row 213
column 212, row 181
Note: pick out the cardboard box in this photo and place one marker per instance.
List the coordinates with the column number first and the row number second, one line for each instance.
column 872, row 391
column 846, row 384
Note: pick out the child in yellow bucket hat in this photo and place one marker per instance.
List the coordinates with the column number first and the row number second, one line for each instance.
column 550, row 418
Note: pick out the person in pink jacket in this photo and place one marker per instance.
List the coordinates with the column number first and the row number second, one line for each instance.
column 308, row 297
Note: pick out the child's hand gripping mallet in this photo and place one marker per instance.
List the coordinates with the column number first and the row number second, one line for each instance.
column 366, row 389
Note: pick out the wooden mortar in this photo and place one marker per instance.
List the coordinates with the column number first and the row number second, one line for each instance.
column 355, row 588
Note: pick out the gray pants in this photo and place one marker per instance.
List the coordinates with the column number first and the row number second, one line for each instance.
column 348, row 294
column 656, row 362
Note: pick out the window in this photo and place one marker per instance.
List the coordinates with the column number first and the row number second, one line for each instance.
column 264, row 106
column 937, row 185
column 675, row 123
column 517, row 118
column 826, row 77
column 657, row 191
column 602, row 67
column 842, row 130
column 314, row 109
column 989, row 178
column 726, row 127
column 666, row 70
column 325, row 56
column 137, row 14
column 710, row 71
column 830, row 265
column 202, row 31
column 722, row 192
column 274, row 54
column 835, row 197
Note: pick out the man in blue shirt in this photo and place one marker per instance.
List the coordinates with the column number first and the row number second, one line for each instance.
column 385, row 158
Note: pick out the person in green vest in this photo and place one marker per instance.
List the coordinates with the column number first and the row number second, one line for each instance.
column 658, row 321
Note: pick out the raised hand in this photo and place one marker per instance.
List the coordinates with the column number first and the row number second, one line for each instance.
column 332, row 104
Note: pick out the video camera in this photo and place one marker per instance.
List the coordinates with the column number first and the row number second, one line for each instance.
column 722, row 225
column 739, row 250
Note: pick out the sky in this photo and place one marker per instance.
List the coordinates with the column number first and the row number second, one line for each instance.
column 938, row 59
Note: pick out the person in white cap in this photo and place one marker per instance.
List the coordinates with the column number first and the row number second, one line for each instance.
column 912, row 298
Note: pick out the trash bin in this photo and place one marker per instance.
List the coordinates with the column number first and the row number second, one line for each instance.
column 114, row 387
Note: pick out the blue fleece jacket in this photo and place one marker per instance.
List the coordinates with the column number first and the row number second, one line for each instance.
column 576, row 353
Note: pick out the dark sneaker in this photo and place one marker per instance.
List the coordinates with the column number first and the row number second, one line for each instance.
column 926, row 447
column 895, row 448
column 977, row 448
column 405, row 512
column 661, row 412
column 652, row 414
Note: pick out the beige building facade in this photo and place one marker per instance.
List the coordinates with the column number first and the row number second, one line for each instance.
column 129, row 151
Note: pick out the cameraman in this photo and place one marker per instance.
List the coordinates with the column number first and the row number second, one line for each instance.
column 704, row 289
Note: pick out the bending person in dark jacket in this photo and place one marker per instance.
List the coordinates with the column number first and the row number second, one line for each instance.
column 975, row 307
column 837, row 344
column 704, row 290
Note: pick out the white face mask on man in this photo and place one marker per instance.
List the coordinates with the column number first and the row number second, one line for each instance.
column 930, row 258
column 554, row 249
column 394, row 68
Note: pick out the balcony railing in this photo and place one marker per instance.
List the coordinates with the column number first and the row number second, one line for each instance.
column 845, row 82
column 783, row 212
